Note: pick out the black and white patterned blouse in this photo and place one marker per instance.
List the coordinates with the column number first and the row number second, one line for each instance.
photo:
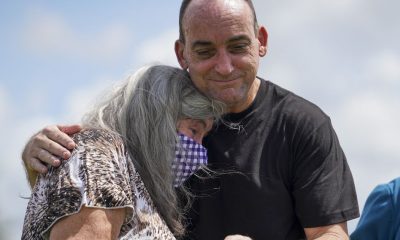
column 99, row 174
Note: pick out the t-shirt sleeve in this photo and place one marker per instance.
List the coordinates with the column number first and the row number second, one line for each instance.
column 95, row 176
column 323, row 186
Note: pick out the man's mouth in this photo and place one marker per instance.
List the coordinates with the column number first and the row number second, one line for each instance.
column 225, row 80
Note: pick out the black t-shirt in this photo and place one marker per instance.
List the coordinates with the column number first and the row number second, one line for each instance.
column 279, row 168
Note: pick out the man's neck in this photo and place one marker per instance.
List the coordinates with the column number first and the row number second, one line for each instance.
column 243, row 105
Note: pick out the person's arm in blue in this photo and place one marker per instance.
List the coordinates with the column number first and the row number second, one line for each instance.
column 380, row 218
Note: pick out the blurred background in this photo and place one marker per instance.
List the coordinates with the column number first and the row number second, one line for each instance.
column 56, row 56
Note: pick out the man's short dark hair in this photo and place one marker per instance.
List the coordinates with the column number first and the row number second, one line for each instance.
column 185, row 4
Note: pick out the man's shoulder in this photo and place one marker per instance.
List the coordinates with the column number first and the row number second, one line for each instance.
column 290, row 104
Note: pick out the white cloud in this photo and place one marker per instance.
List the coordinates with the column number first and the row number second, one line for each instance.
column 47, row 33
column 338, row 6
column 160, row 49
column 301, row 12
column 80, row 100
column 279, row 72
column 372, row 121
column 385, row 67
column 3, row 105
column 35, row 100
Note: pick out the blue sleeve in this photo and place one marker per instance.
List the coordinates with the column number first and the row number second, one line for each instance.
column 380, row 217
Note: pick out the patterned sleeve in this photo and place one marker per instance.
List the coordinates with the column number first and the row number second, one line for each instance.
column 96, row 175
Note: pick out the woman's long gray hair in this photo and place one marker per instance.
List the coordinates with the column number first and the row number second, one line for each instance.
column 144, row 111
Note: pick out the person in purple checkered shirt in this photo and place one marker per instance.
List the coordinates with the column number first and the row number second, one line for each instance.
column 284, row 173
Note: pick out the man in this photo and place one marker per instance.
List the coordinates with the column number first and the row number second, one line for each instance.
column 280, row 171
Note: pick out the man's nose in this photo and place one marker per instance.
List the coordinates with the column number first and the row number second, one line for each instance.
column 223, row 63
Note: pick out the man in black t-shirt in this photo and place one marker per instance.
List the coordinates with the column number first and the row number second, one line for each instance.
column 280, row 171
column 285, row 171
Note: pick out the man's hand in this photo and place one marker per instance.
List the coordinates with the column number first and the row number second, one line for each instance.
column 47, row 147
column 331, row 232
column 237, row 237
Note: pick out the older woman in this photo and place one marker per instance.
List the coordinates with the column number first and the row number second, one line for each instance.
column 138, row 143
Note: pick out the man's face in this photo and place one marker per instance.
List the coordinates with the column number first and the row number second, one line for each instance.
column 222, row 51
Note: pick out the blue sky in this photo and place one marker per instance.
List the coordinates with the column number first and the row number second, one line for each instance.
column 56, row 56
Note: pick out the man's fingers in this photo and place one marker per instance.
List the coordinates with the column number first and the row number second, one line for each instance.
column 60, row 138
column 47, row 157
column 70, row 129
column 47, row 147
column 36, row 165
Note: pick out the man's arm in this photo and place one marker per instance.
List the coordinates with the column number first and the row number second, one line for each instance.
column 90, row 223
column 331, row 232
column 237, row 237
column 47, row 147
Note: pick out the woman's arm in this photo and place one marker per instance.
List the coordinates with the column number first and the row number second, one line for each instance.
column 89, row 223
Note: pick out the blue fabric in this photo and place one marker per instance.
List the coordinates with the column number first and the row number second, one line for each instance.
column 380, row 218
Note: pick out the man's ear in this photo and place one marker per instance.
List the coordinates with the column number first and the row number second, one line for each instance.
column 263, row 39
column 179, row 52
